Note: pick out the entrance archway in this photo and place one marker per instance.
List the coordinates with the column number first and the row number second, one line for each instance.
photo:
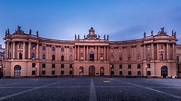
column 17, row 70
column 91, row 70
column 102, row 71
column 164, row 71
column 81, row 71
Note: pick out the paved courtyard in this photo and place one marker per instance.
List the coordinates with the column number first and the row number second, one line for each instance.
column 90, row 89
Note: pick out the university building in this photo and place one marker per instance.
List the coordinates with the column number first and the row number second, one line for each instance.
column 29, row 55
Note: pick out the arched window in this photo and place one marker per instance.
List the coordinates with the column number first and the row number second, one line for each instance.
column 53, row 72
column 62, row 58
column 70, row 57
column 20, row 46
column 53, row 48
column 120, row 57
column 129, row 57
column 62, row 49
column 43, row 56
column 43, row 48
column 53, row 57
column 33, row 55
column 138, row 57
column 161, row 56
column 20, row 56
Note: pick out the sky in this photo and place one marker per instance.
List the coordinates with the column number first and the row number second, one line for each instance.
column 62, row 19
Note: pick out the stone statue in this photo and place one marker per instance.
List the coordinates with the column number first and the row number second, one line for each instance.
column 84, row 36
column 98, row 36
column 78, row 36
column 107, row 37
column 172, row 32
column 75, row 37
column 144, row 34
column 151, row 32
column 30, row 32
column 162, row 29
column 8, row 31
column 37, row 33
column 104, row 37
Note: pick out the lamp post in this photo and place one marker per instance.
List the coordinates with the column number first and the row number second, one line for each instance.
column 146, row 71
column 0, row 71
column 111, row 71
column 36, row 71
column 72, row 71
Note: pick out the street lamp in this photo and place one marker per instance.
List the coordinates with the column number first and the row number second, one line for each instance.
column 35, row 71
column 0, row 71
column 146, row 70
column 111, row 70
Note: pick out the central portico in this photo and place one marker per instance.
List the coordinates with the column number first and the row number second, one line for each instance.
column 91, row 55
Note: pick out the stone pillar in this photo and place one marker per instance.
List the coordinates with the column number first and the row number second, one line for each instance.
column 167, row 54
column 75, row 53
column 152, row 51
column 104, row 53
column 107, row 53
column 7, row 50
column 13, row 50
column 24, row 50
column 84, row 53
column 95, row 53
column 98, row 56
column 37, row 49
column 29, row 49
column 78, row 54
column 144, row 52
column 173, row 55
column 158, row 52
column 87, row 53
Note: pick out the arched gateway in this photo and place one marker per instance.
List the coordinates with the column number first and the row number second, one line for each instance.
column 17, row 70
column 164, row 71
column 91, row 70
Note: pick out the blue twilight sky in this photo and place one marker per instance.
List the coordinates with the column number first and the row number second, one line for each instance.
column 62, row 19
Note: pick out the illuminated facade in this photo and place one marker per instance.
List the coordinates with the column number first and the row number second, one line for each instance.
column 30, row 55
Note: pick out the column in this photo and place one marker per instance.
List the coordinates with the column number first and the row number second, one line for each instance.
column 98, row 56
column 158, row 51
column 167, row 51
column 29, row 48
column 107, row 53
column 37, row 48
column 95, row 53
column 7, row 50
column 84, row 53
column 152, row 51
column 104, row 53
column 173, row 55
column 23, row 50
column 75, row 53
column 87, row 53
column 144, row 52
column 78, row 54
column 13, row 50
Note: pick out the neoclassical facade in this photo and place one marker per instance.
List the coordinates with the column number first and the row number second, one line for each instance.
column 28, row 55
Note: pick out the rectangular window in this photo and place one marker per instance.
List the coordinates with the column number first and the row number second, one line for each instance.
column 43, row 65
column 129, row 72
column 70, row 72
column 138, row 66
column 62, row 72
column 120, row 73
column 43, row 72
column 62, row 65
column 148, row 72
column 53, row 72
column 33, row 64
column 120, row 66
column 33, row 72
column 43, row 48
column 139, row 73
column 177, row 58
column 53, row 65
column 33, row 46
column 70, row 66
column 148, row 66
column 129, row 66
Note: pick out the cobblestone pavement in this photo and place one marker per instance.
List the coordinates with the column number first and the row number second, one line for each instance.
column 90, row 89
